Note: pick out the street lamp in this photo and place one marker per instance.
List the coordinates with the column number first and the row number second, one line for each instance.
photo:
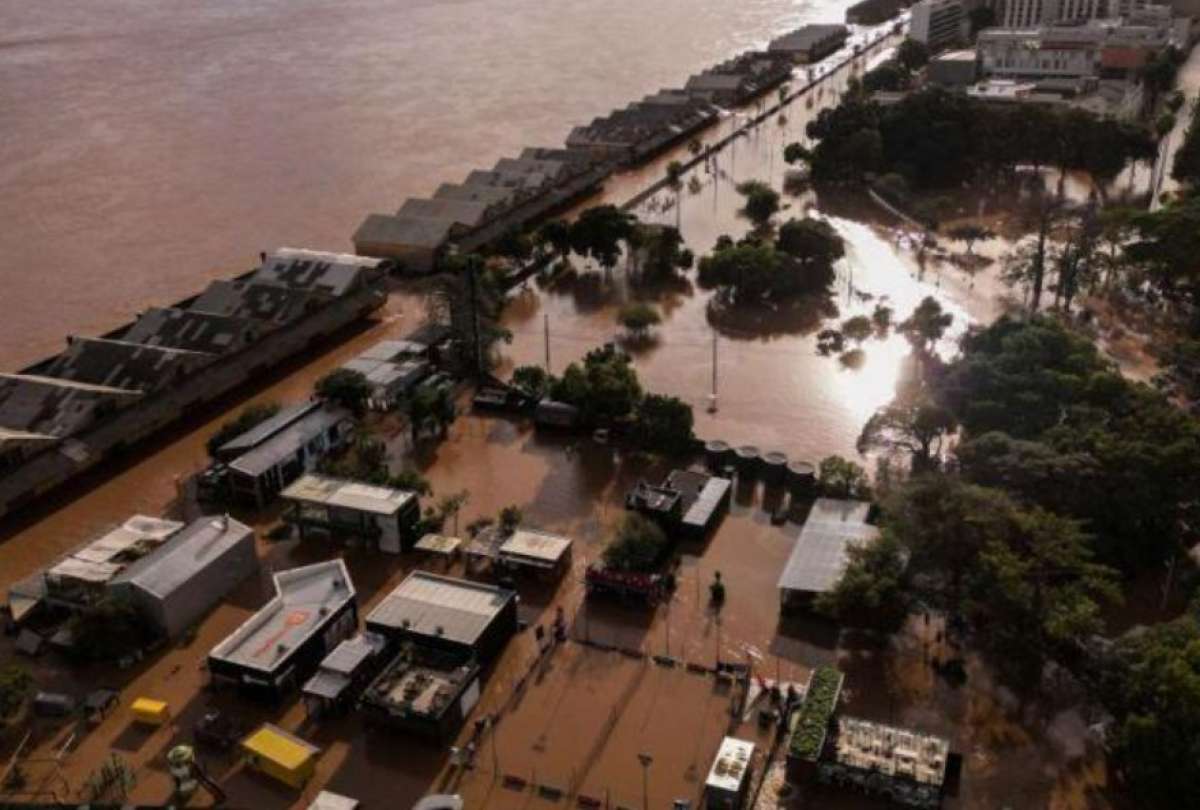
column 645, row 759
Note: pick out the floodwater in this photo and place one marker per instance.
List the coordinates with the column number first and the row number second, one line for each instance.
column 150, row 146
column 773, row 389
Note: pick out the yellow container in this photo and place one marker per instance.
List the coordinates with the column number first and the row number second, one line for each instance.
column 150, row 711
column 280, row 755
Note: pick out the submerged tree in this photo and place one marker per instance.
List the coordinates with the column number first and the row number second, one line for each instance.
column 762, row 202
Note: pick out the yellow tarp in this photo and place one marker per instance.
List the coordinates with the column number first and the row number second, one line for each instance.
column 149, row 710
column 278, row 753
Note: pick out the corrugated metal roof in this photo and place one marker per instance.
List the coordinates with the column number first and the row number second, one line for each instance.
column 338, row 492
column 283, row 445
column 819, row 556
column 707, row 502
column 186, row 554
column 268, row 427
column 444, row 607
column 536, row 545
column 353, row 652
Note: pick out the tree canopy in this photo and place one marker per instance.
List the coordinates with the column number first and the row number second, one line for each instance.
column 346, row 387
column 638, row 545
column 604, row 387
column 762, row 202
column 800, row 262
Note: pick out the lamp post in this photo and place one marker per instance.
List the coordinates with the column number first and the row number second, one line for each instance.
column 645, row 760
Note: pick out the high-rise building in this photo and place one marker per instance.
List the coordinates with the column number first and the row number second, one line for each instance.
column 937, row 24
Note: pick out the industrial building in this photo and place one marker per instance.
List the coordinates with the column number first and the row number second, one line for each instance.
column 382, row 517
column 424, row 691
column 465, row 618
column 81, row 578
column 811, row 43
column 544, row 554
column 287, row 451
column 953, row 69
column 69, row 412
column 873, row 12
column 181, row 580
column 820, row 554
column 280, row 646
column 741, row 79
column 906, row 767
column 342, row 674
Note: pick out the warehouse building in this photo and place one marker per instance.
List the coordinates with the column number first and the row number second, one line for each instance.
column 283, row 644
column 689, row 502
column 383, row 517
column 810, row 43
column 820, row 554
column 544, row 554
column 467, row 619
column 256, row 476
column 181, row 580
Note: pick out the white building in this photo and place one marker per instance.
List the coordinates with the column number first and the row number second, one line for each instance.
column 938, row 24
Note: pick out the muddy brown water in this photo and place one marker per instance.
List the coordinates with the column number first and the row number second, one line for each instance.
column 774, row 391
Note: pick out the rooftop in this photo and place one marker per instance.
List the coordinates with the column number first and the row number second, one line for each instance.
column 819, row 555
column 421, row 683
column 802, row 39
column 332, row 273
column 285, row 443
column 344, row 494
column 268, row 427
column 102, row 558
column 306, row 598
column 410, row 231
column 53, row 407
column 894, row 752
column 466, row 212
column 273, row 743
column 427, row 604
column 393, row 350
column 536, row 546
column 130, row 366
column 254, row 301
column 185, row 554
column 193, row 330
column 731, row 765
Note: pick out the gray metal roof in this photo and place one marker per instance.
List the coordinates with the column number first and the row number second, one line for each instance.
column 803, row 39
column 53, row 407
column 333, row 273
column 184, row 555
column 256, row 301
column 417, row 232
column 193, row 330
column 466, row 212
column 487, row 195
column 287, row 442
column 352, row 653
column 819, row 556
column 707, row 502
column 444, row 607
column 131, row 366
column 268, row 427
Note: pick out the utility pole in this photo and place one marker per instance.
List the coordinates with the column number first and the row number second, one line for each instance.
column 546, row 327
column 712, row 399
column 474, row 303
column 645, row 760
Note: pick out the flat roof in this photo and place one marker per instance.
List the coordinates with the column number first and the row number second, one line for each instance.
column 185, row 554
column 328, row 800
column 282, row 445
column 445, row 607
column 315, row 270
column 438, row 544
column 390, row 350
column 313, row 488
column 892, row 751
column 731, row 765
column 819, row 556
column 707, row 501
column 535, row 545
column 306, row 598
column 350, row 654
column 273, row 743
column 419, row 232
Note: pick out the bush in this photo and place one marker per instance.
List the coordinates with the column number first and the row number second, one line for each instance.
column 663, row 424
column 638, row 317
column 818, row 708
column 16, row 684
column 110, row 630
column 638, row 546
column 841, row 478
column 345, row 387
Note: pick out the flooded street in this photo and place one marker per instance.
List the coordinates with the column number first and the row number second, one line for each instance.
column 577, row 717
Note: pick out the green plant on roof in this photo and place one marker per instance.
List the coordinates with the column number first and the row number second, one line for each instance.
column 818, row 708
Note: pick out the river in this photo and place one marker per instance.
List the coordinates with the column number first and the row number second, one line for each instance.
column 150, row 146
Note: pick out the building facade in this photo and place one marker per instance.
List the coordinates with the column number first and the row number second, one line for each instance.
column 938, row 24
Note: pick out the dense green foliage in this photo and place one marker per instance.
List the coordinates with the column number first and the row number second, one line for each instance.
column 1047, row 418
column 599, row 232
column 16, row 685
column 1152, row 688
column 604, row 387
column 1186, row 167
column 762, row 202
column 345, row 387
column 638, row 545
column 661, row 252
column 841, row 478
column 873, row 590
column 110, row 630
column 937, row 139
column 251, row 416
column 533, row 380
column 799, row 262
column 663, row 425
column 820, row 702
column 638, row 317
